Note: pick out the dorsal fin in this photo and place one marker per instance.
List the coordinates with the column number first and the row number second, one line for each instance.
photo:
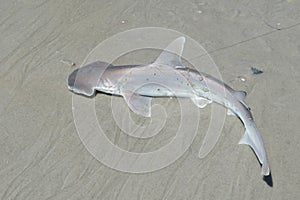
column 171, row 55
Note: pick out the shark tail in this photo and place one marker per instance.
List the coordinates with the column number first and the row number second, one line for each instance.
column 258, row 150
column 265, row 169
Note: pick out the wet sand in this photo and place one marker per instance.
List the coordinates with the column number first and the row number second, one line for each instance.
column 42, row 156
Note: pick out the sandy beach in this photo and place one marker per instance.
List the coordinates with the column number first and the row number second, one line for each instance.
column 41, row 153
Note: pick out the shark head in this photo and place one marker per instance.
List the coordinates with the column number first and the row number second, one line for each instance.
column 86, row 79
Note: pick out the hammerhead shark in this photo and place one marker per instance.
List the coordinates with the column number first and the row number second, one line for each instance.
column 167, row 77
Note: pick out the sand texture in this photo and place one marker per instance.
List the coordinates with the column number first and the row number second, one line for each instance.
column 41, row 154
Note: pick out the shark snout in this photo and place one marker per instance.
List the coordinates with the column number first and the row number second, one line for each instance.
column 72, row 79
column 82, row 81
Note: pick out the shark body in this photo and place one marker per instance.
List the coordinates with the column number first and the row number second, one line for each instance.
column 167, row 77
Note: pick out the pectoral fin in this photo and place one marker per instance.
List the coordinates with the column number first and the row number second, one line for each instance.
column 140, row 105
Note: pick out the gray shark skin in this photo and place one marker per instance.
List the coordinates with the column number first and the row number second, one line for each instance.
column 167, row 77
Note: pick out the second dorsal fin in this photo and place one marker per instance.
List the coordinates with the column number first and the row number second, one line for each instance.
column 241, row 97
column 240, row 94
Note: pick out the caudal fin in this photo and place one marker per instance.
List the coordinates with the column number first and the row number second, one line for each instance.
column 256, row 144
